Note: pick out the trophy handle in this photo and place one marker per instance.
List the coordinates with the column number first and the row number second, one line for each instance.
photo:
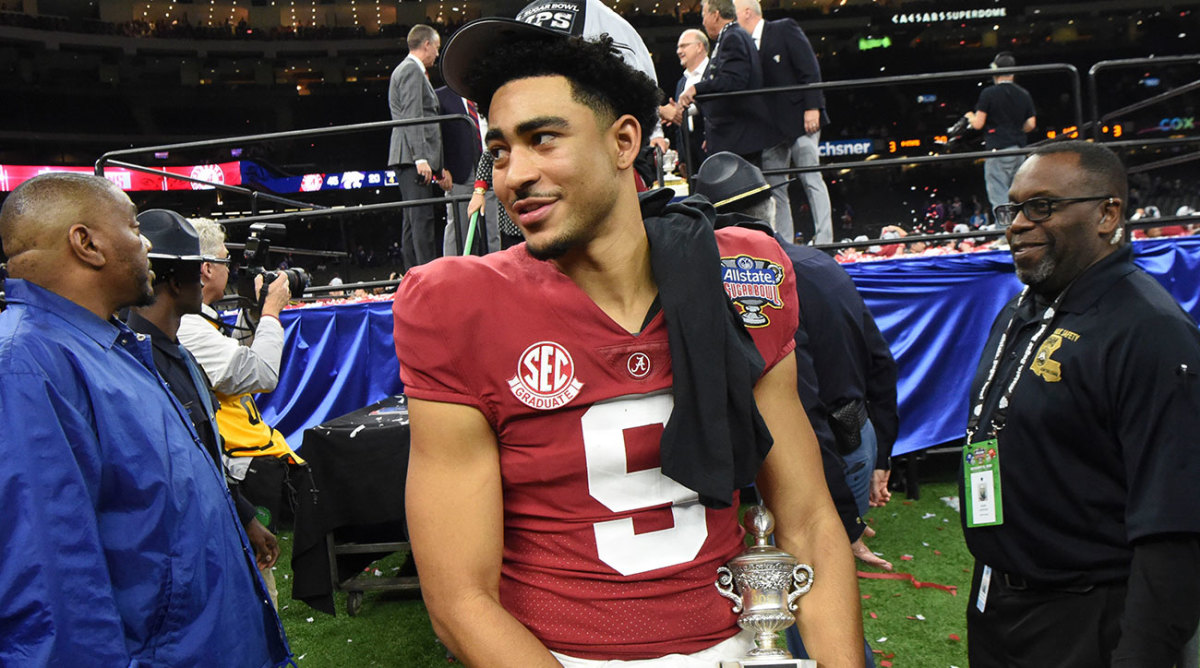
column 725, row 587
column 802, row 575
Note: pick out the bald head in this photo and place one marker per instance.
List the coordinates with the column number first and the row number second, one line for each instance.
column 76, row 235
column 36, row 216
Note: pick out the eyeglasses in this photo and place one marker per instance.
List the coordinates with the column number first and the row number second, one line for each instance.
column 1038, row 209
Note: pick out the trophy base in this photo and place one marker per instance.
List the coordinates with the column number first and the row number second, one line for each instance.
column 769, row 663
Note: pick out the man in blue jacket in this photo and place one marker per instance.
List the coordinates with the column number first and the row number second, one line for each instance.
column 121, row 542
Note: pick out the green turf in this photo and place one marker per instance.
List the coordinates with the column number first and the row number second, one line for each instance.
column 393, row 629
column 929, row 532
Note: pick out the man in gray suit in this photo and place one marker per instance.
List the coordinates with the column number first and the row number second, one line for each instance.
column 416, row 150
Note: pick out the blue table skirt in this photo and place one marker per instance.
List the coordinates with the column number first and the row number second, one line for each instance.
column 935, row 312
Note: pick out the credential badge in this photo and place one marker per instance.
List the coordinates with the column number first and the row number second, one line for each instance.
column 545, row 377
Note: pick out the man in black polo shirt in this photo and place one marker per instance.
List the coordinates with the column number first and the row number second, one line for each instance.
column 175, row 258
column 1078, row 493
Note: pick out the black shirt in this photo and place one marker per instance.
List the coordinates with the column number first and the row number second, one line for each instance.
column 1098, row 450
column 171, row 360
column 1007, row 105
column 852, row 360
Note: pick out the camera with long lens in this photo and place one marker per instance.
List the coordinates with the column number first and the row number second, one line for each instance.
column 258, row 246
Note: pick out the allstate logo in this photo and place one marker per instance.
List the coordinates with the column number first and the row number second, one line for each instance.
column 753, row 284
column 545, row 377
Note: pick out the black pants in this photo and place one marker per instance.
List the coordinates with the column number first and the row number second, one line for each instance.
column 1039, row 628
column 419, row 240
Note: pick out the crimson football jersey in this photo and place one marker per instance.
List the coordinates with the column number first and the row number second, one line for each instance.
column 604, row 556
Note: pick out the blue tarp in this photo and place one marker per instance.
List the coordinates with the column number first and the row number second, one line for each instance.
column 935, row 312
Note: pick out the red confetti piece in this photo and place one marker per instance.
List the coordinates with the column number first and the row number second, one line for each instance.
column 937, row 552
column 906, row 557
column 873, row 615
column 910, row 617
column 907, row 503
column 954, row 637
column 889, row 655
column 877, row 651
column 886, row 664
column 911, row 578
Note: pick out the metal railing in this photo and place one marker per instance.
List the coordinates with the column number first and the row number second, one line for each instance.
column 904, row 79
column 305, row 209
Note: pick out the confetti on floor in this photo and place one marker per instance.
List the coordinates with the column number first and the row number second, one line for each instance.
column 953, row 589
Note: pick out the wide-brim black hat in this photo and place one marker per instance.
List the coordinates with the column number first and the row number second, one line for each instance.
column 172, row 236
column 727, row 178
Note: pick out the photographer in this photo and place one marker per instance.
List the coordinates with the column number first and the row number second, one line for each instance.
column 252, row 447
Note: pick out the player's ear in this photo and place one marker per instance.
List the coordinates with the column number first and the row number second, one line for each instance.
column 628, row 135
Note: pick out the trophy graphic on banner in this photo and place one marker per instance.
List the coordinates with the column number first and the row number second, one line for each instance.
column 768, row 581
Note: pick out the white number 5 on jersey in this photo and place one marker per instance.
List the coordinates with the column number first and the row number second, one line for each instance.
column 612, row 484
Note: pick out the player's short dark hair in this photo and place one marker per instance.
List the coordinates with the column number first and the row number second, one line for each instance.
column 600, row 79
column 1103, row 167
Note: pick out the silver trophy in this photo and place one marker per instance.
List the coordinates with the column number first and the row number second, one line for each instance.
column 763, row 576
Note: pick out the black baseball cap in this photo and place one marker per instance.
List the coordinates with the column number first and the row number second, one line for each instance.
column 541, row 20
column 172, row 236
column 1003, row 59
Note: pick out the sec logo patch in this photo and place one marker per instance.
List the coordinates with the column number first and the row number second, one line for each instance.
column 545, row 377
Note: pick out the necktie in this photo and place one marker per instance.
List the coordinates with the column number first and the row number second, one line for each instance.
column 474, row 113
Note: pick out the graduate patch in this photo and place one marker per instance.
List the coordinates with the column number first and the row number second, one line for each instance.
column 545, row 377
column 753, row 284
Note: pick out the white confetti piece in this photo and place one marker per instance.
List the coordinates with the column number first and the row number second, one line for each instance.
column 928, row 515
column 349, row 639
column 925, row 544
column 309, row 620
column 883, row 639
column 921, row 617
column 301, row 658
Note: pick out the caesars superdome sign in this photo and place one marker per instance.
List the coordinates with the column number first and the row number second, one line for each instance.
column 957, row 15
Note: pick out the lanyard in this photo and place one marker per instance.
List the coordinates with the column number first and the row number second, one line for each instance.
column 1001, row 414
